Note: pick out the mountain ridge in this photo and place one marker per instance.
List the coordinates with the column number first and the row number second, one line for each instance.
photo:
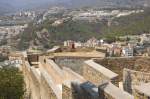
column 133, row 24
column 29, row 4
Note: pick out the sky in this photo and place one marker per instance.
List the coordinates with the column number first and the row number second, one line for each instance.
column 17, row 2
column 38, row 3
column 23, row 3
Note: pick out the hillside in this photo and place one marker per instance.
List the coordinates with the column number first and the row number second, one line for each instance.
column 118, row 64
column 12, row 83
column 110, row 3
column 132, row 24
column 69, row 30
column 81, row 31
column 31, row 4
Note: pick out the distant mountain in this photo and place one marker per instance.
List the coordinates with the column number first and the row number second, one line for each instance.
column 10, row 5
column 25, row 4
column 110, row 3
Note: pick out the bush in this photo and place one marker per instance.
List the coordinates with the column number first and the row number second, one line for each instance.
column 11, row 83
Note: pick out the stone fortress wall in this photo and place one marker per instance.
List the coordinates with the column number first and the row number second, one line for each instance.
column 97, row 74
column 74, row 63
column 133, row 78
column 50, row 78
column 117, row 65
column 36, row 84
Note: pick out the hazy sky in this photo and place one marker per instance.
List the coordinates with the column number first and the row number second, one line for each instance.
column 28, row 2
column 37, row 3
column 14, row 2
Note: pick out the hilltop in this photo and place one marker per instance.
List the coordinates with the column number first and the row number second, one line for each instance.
column 32, row 4
column 47, row 35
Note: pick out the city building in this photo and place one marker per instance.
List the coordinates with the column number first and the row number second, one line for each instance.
column 70, row 44
column 127, row 52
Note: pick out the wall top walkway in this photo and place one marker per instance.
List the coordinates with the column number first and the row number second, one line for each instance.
column 93, row 54
column 36, row 72
column 106, row 72
column 73, row 75
column 56, row 88
column 28, row 65
column 55, row 67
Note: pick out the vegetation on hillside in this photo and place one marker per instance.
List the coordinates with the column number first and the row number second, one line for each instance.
column 81, row 30
column 3, row 58
column 69, row 30
column 130, row 25
column 11, row 83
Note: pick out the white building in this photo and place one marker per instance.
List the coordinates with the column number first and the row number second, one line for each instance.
column 93, row 42
column 78, row 44
column 127, row 52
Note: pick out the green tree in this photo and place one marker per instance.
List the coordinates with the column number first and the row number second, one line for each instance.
column 11, row 83
column 2, row 58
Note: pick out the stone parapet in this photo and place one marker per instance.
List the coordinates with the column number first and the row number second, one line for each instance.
column 133, row 78
column 49, row 88
column 142, row 91
column 110, row 91
column 48, row 80
column 96, row 73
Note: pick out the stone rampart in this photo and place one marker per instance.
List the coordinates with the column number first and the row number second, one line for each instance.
column 110, row 91
column 49, row 90
column 74, row 63
column 39, row 84
column 133, row 78
column 142, row 91
column 96, row 73
column 35, row 84
column 118, row 64
column 67, row 91
column 51, row 81
column 52, row 69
